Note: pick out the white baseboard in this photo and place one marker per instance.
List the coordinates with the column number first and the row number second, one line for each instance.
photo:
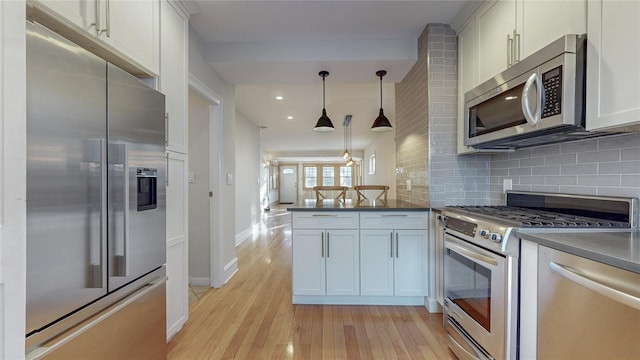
column 173, row 330
column 230, row 269
column 244, row 235
column 432, row 305
column 200, row 281
column 358, row 300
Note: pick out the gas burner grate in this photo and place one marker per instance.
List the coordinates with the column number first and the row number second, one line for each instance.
column 531, row 218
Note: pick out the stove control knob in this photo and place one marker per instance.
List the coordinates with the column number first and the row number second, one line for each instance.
column 496, row 237
column 485, row 234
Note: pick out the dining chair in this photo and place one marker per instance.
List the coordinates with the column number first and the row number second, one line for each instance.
column 321, row 196
column 360, row 191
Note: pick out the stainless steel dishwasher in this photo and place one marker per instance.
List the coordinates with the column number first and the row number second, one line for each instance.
column 586, row 309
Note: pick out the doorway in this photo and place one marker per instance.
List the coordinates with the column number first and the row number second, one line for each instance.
column 288, row 188
column 205, row 149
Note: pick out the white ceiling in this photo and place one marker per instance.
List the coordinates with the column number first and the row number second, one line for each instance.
column 269, row 48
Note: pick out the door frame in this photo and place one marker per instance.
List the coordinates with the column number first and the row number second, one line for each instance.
column 296, row 181
column 216, row 262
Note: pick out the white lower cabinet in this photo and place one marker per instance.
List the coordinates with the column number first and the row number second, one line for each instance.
column 367, row 257
column 326, row 262
column 392, row 262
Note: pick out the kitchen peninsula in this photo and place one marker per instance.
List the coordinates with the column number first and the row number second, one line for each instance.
column 370, row 252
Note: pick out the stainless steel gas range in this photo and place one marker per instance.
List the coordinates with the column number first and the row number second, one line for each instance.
column 481, row 261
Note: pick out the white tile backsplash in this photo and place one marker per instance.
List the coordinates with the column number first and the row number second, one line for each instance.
column 608, row 166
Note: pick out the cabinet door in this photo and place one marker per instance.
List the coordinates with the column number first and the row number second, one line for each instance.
column 613, row 74
column 467, row 77
column 495, row 22
column 376, row 262
column 342, row 254
column 545, row 21
column 410, row 262
column 173, row 75
column 133, row 29
column 81, row 13
column 308, row 267
column 177, row 243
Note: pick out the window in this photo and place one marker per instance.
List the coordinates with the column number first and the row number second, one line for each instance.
column 328, row 176
column 345, row 176
column 310, row 176
column 372, row 164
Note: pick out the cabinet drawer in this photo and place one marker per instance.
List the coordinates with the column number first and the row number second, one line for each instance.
column 394, row 220
column 324, row 220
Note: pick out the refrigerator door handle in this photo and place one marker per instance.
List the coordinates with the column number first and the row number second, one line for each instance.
column 120, row 161
column 98, row 269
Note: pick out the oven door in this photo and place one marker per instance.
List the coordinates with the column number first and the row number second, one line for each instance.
column 475, row 286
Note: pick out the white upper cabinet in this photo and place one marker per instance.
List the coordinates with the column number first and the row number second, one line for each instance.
column 132, row 27
column 174, row 78
column 541, row 22
column 613, row 70
column 79, row 12
column 126, row 29
column 510, row 30
column 495, row 24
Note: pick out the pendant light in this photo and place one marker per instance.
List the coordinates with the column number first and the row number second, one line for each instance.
column 381, row 123
column 347, row 136
column 324, row 124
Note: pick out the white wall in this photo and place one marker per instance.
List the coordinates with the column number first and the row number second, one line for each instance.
column 249, row 179
column 202, row 71
column 199, row 214
column 384, row 146
column 12, row 179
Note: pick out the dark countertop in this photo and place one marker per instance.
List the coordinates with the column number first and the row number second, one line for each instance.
column 353, row 205
column 619, row 249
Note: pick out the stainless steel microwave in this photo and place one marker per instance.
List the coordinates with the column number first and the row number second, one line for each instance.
column 537, row 101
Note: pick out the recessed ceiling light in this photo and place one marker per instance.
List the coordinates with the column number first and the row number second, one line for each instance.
column 279, row 97
column 290, row 117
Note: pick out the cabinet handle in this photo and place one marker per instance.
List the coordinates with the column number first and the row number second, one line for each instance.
column 324, row 215
column 516, row 37
column 397, row 251
column 322, row 242
column 166, row 179
column 391, row 244
column 108, row 18
column 166, row 129
column 394, row 215
column 509, row 50
column 97, row 23
column 328, row 244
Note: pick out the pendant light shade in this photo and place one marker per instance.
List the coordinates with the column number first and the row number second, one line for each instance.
column 324, row 124
column 381, row 123
column 347, row 136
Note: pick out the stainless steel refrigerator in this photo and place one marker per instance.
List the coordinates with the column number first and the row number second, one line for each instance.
column 96, row 238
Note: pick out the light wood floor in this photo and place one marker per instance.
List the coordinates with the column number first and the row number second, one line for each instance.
column 252, row 317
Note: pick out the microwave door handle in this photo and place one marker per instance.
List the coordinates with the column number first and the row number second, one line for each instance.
column 532, row 118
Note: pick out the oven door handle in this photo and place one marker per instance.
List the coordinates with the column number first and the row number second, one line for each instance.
column 470, row 254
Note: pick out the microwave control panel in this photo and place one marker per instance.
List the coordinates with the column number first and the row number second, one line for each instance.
column 552, row 95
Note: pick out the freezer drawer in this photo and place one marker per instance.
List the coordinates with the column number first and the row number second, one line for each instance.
column 133, row 328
